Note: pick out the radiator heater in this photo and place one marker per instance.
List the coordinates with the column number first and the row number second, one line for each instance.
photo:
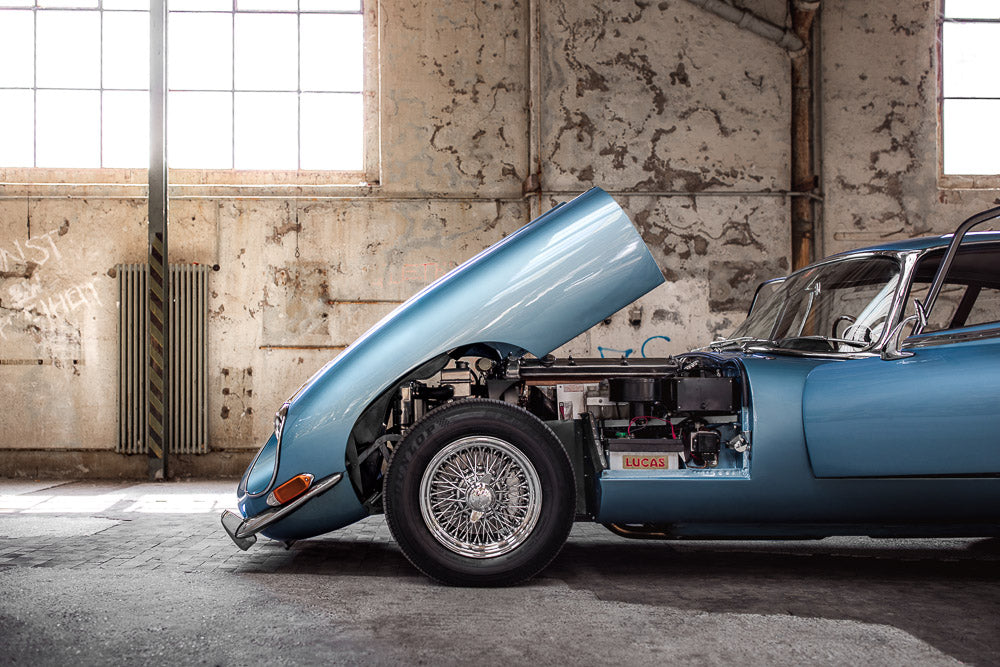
column 188, row 358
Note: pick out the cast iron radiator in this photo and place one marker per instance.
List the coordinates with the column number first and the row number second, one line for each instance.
column 188, row 360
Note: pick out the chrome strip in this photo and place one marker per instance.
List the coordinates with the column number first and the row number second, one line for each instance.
column 254, row 525
column 242, row 490
column 944, row 338
column 949, row 256
column 788, row 352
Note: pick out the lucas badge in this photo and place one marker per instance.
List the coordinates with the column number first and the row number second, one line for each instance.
column 647, row 461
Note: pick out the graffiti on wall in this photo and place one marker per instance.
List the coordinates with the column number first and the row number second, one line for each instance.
column 24, row 260
column 29, row 300
column 36, row 315
column 611, row 352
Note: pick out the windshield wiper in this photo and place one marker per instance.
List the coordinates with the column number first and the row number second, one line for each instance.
column 740, row 342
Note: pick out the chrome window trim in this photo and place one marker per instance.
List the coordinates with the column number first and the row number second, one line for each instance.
column 907, row 263
column 761, row 286
column 947, row 337
column 788, row 352
column 949, row 256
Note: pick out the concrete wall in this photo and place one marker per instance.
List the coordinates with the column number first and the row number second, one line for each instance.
column 879, row 118
column 685, row 115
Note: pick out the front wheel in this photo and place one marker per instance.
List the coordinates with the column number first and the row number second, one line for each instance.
column 480, row 493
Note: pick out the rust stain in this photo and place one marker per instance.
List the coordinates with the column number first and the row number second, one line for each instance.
column 27, row 272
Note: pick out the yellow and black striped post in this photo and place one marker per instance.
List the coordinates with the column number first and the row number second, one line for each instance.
column 158, row 297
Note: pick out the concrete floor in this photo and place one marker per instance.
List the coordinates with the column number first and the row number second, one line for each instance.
column 118, row 573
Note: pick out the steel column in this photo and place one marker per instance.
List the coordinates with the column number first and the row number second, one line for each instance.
column 158, row 294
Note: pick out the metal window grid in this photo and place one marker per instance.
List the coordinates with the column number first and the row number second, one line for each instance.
column 233, row 11
column 946, row 179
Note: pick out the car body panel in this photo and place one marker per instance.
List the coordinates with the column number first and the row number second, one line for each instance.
column 934, row 413
column 778, row 466
column 782, row 496
column 536, row 289
column 923, row 243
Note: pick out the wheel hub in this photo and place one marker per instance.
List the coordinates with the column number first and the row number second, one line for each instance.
column 480, row 498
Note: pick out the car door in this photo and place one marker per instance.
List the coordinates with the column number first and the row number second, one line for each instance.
column 935, row 412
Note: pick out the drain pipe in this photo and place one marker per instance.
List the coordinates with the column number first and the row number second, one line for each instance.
column 803, row 177
column 749, row 21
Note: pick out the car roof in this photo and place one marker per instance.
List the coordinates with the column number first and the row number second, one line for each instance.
column 924, row 243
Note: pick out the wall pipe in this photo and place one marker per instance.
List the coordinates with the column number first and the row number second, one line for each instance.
column 792, row 41
column 803, row 171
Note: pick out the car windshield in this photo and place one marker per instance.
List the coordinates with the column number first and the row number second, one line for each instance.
column 839, row 306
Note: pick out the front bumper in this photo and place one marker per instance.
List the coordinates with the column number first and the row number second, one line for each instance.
column 244, row 531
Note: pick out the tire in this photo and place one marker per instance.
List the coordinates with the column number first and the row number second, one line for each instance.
column 460, row 523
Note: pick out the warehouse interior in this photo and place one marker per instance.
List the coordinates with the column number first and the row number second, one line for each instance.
column 321, row 162
column 477, row 117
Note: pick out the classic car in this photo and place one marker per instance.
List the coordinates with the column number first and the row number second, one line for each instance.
column 861, row 396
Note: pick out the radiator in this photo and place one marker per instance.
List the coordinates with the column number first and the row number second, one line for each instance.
column 188, row 358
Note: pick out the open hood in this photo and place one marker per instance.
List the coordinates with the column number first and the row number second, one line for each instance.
column 531, row 292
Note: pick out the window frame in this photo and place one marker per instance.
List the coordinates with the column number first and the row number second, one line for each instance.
column 916, row 288
column 954, row 181
column 185, row 183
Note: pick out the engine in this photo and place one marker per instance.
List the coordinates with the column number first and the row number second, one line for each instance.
column 631, row 417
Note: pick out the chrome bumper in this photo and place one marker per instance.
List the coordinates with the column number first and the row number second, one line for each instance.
column 244, row 531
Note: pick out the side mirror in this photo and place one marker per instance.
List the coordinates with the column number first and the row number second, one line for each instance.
column 891, row 350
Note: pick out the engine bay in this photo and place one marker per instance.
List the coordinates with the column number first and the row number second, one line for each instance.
column 672, row 417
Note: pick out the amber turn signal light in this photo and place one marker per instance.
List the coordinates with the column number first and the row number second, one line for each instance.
column 290, row 490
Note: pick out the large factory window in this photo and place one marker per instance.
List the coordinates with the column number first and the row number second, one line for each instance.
column 970, row 92
column 276, row 85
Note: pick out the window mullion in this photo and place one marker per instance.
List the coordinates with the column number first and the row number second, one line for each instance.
column 100, row 84
column 34, row 86
column 232, row 95
column 298, row 85
column 326, row 118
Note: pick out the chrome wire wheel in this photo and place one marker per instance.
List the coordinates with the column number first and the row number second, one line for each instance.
column 480, row 497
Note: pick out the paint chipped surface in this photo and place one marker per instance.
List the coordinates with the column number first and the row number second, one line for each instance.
column 880, row 124
column 649, row 97
column 454, row 95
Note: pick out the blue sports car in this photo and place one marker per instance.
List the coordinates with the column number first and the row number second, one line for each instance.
column 861, row 396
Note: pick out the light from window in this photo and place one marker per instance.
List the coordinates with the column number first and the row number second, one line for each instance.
column 970, row 95
column 253, row 84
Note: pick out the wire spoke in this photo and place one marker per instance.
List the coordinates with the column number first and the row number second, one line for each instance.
column 490, row 479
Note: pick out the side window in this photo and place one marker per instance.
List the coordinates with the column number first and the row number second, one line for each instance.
column 944, row 309
column 971, row 292
column 986, row 308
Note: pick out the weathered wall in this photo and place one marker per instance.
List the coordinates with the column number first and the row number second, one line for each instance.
column 683, row 114
column 664, row 98
column 879, row 82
